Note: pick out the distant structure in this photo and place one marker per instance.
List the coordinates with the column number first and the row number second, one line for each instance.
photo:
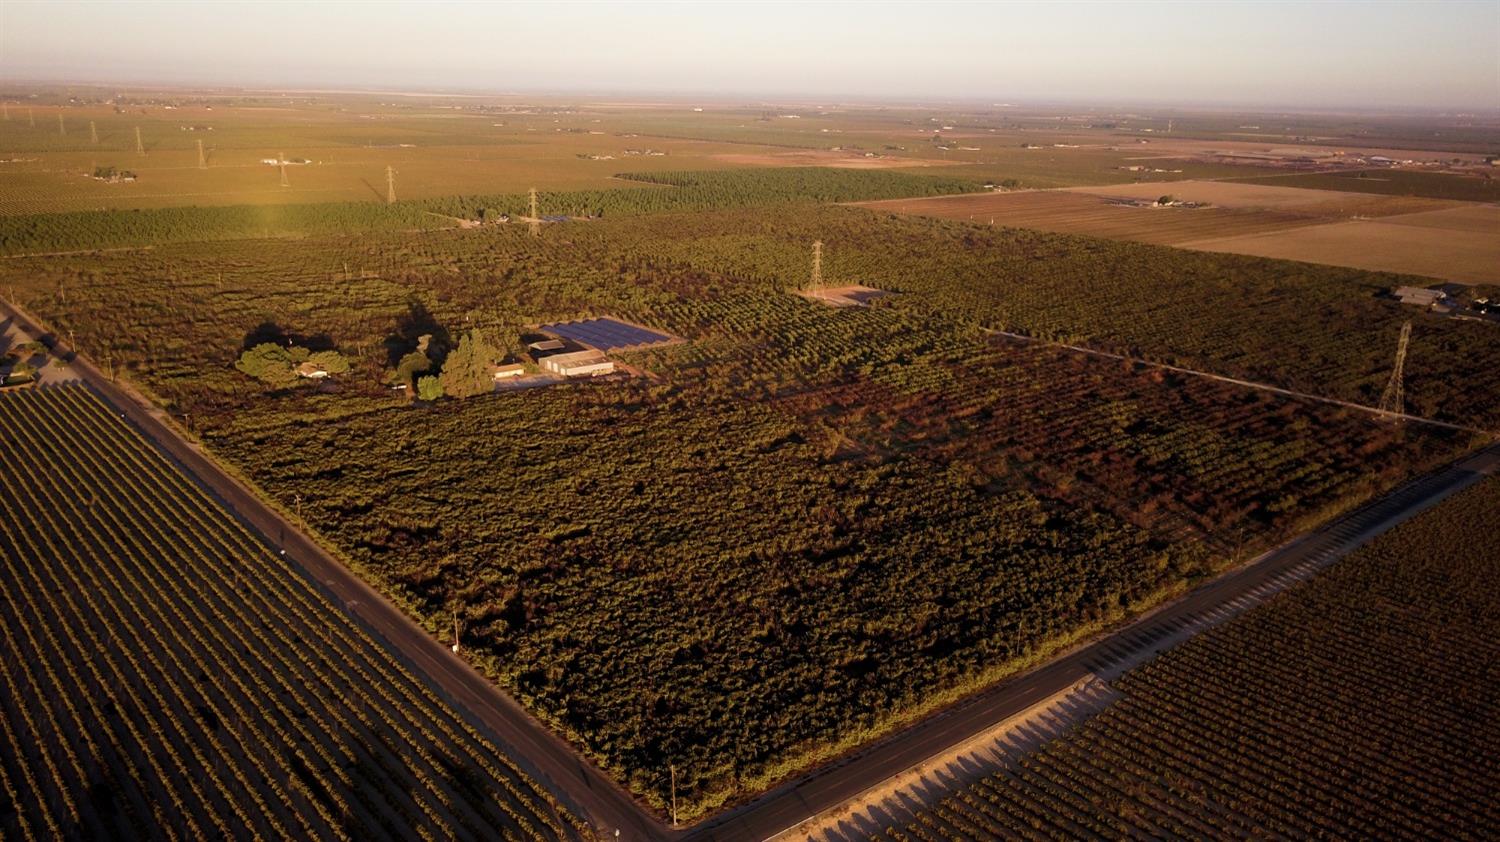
column 281, row 163
column 1420, row 296
column 202, row 161
column 390, row 185
column 1393, row 400
column 140, row 148
column 817, row 266
column 587, row 363
column 536, row 220
column 93, row 134
column 62, row 131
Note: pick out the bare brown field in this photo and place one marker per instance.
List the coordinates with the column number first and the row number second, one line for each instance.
column 1480, row 219
column 1298, row 200
column 1067, row 212
column 1439, row 238
column 829, row 158
column 1397, row 244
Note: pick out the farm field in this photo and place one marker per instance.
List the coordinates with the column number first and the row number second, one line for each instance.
column 194, row 684
column 795, row 528
column 1433, row 185
column 1068, row 212
column 899, row 480
column 1362, row 702
column 1431, row 244
column 1435, row 238
column 1322, row 204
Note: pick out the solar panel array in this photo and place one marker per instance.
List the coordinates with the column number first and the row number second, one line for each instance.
column 606, row 334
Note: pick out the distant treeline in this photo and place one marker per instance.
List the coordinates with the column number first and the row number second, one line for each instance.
column 678, row 191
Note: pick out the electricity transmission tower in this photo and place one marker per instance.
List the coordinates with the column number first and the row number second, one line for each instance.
column 140, row 148
column 390, row 185
column 93, row 134
column 202, row 161
column 536, row 220
column 817, row 267
column 62, row 130
column 1393, row 400
column 281, row 163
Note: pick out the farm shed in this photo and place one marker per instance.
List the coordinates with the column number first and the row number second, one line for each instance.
column 511, row 370
column 1420, row 296
column 579, row 364
column 547, row 345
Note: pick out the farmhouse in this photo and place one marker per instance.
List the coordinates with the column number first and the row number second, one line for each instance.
column 312, row 371
column 579, row 364
column 1419, row 296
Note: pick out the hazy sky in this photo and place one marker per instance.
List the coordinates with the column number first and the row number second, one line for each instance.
column 1352, row 54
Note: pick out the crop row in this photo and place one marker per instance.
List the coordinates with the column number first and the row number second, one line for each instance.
column 174, row 641
column 1361, row 704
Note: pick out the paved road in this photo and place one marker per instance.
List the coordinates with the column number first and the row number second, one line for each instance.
column 543, row 755
column 589, row 792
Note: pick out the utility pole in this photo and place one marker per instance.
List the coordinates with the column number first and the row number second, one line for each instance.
column 1393, row 400
column 536, row 221
column 93, row 134
column 390, row 185
column 281, row 162
column 673, row 768
column 202, row 161
column 817, row 267
column 140, row 148
column 455, row 631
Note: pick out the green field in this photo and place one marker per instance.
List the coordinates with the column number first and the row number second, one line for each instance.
column 168, row 638
column 1362, row 703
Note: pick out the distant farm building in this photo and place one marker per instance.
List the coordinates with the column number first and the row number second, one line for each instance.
column 1420, row 296
column 503, row 372
column 312, row 371
column 588, row 363
column 547, row 345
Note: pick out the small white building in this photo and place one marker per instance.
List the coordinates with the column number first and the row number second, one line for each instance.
column 579, row 364
column 1420, row 296
column 503, row 372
